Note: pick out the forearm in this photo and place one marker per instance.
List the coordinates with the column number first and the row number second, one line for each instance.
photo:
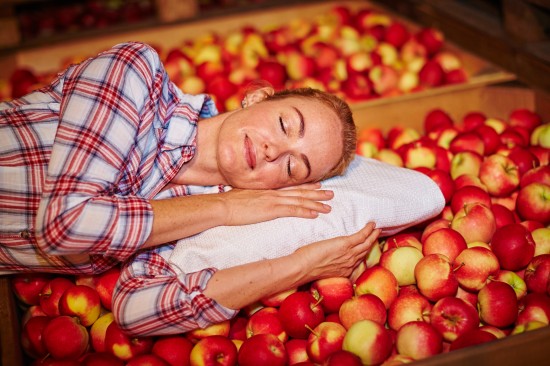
column 239, row 286
column 181, row 217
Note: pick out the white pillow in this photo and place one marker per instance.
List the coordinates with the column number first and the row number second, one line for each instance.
column 394, row 198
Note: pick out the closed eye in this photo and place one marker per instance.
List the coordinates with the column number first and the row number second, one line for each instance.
column 282, row 125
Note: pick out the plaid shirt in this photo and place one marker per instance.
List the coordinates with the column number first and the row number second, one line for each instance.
column 79, row 161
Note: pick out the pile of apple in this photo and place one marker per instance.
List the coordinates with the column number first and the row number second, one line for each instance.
column 478, row 272
column 357, row 54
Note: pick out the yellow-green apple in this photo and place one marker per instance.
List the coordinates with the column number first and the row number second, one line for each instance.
column 215, row 350
column 418, row 340
column 499, row 174
column 497, row 304
column 437, row 119
column 343, row 357
column 472, row 338
column 474, row 267
column 525, row 118
column 498, row 124
column 514, row 246
column 299, row 311
column 408, row 81
column 123, row 346
column 541, row 236
column 81, row 301
column 465, row 162
column 448, row 60
column 398, row 136
column 434, row 226
column 396, row 359
column 384, row 78
column 98, row 330
column 444, row 241
column 325, row 339
column 453, row 317
column 417, row 154
column 360, row 61
column 149, row 360
column 390, row 157
column 534, row 307
column 469, row 194
column 300, row 66
column 503, row 215
column 332, row 292
column 403, row 239
column 51, row 294
column 296, row 350
column 408, row 307
column 221, row 328
column 537, row 274
column 443, row 180
column 237, row 330
column 435, row 277
column 275, row 300
column 65, row 338
column 367, row 306
column 497, row 332
column 490, row 138
column 262, row 349
column 475, row 222
column 370, row 341
column 372, row 259
column 378, row 281
column 541, row 136
column 467, row 141
column 533, row 202
column 401, row 262
column 444, row 136
column 27, row 286
column 514, row 280
column 431, row 74
column 266, row 320
column 525, row 327
column 468, row 180
column 99, row 359
column 413, row 54
column 31, row 336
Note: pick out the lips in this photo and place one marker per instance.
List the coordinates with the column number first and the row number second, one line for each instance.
column 249, row 153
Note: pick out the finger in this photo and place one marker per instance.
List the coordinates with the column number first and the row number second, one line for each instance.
column 310, row 186
column 314, row 195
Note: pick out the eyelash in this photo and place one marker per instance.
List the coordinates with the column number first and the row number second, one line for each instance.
column 288, row 170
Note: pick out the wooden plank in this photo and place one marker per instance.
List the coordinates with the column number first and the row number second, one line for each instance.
column 10, row 346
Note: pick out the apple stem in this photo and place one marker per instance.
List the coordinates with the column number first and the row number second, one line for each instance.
column 311, row 330
column 318, row 302
column 458, row 267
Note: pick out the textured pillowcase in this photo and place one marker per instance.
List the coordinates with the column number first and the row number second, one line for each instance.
column 394, row 198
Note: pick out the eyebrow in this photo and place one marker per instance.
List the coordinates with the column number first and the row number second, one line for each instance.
column 301, row 134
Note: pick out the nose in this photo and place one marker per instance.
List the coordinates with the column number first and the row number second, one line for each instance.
column 274, row 150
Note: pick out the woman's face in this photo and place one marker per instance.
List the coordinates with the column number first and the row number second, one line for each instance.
column 274, row 144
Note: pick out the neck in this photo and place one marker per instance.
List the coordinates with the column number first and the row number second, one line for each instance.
column 203, row 169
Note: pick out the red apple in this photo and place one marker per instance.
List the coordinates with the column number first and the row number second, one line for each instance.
column 431, row 74
column 31, row 336
column 65, row 338
column 51, row 294
column 443, row 180
column 368, row 340
column 81, row 301
column 497, row 304
column 332, row 292
column 469, row 194
column 299, row 311
column 342, row 357
column 514, row 246
column 123, row 346
column 472, row 338
column 437, row 119
column 537, row 274
column 472, row 120
column 453, row 317
column 514, row 280
column 435, row 277
column 503, row 215
column 378, row 281
column 150, row 360
column 431, row 38
column 525, row 118
column 262, row 349
column 367, row 306
column 540, row 174
column 533, row 202
column 499, row 174
column 534, row 307
column 418, row 340
column 396, row 34
column 221, row 328
column 266, row 320
column 296, row 350
column 408, row 307
column 27, row 286
column 524, row 159
column 474, row 267
column 215, row 350
column 444, row 241
column 467, row 141
column 237, row 330
column 324, row 340
column 274, row 72
column 105, row 284
column 101, row 359
column 475, row 222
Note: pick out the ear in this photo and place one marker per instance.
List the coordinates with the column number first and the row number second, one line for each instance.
column 257, row 95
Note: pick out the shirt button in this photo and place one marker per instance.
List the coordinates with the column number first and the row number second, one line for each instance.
column 25, row 234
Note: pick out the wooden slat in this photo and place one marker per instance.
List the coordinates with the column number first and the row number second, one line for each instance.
column 10, row 346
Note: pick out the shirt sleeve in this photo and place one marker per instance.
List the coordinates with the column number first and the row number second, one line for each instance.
column 151, row 298
column 108, row 102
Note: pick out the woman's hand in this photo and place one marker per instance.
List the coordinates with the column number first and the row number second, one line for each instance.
column 338, row 256
column 245, row 206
